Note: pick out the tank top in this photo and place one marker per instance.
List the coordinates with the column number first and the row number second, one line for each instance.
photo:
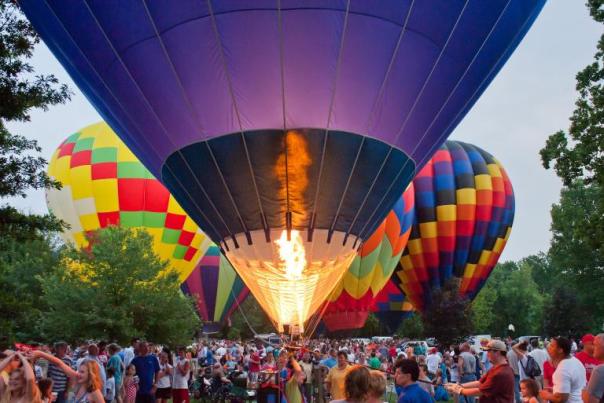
column 180, row 381
column 469, row 363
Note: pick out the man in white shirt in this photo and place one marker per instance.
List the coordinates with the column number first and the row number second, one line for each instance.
column 569, row 377
column 432, row 361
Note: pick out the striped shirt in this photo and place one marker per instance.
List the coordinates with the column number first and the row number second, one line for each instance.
column 59, row 379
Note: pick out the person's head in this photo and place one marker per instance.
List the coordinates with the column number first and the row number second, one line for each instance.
column 496, row 351
column 45, row 386
column 464, row 347
column 599, row 347
column 423, row 370
column 372, row 353
column 143, row 348
column 93, row 350
column 163, row 357
column 342, row 359
column 181, row 352
column 535, row 343
column 333, row 353
column 559, row 348
column 356, row 384
column 588, row 344
column 16, row 382
column 283, row 357
column 134, row 343
column 130, row 370
column 529, row 388
column 89, row 376
column 306, row 356
column 406, row 372
column 523, row 346
column 60, row 349
column 113, row 349
column 377, row 386
column 13, row 364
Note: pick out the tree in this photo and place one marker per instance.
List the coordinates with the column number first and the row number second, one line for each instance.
column 246, row 320
column 21, row 167
column 448, row 318
column 116, row 290
column 565, row 315
column 412, row 327
column 22, row 264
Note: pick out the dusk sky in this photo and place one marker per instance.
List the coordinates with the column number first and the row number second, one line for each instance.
column 532, row 97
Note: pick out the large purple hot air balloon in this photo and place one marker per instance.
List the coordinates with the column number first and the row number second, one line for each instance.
column 303, row 116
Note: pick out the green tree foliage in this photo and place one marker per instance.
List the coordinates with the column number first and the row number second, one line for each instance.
column 117, row 290
column 412, row 328
column 22, row 264
column 21, row 91
column 510, row 296
column 566, row 315
column 449, row 316
column 246, row 320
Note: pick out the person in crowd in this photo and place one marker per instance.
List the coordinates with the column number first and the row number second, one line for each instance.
column 46, row 393
column 87, row 378
column 330, row 361
column 594, row 393
column 130, row 352
column 335, row 380
column 433, row 361
column 164, row 379
column 440, row 393
column 377, row 387
column 110, row 390
column 512, row 358
column 93, row 355
column 356, row 386
column 374, row 361
column 115, row 363
column 307, row 367
column 182, row 371
column 497, row 385
column 130, row 384
column 406, row 374
column 291, row 377
column 586, row 356
column 483, row 356
column 60, row 381
column 466, row 365
column 521, row 351
column 254, row 365
column 529, row 390
column 569, row 377
column 147, row 369
column 21, row 385
column 424, row 381
column 541, row 357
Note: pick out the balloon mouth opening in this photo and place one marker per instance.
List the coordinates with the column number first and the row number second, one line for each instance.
column 288, row 275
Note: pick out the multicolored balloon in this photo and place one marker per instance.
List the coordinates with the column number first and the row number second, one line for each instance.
column 284, row 125
column 104, row 184
column 390, row 306
column 464, row 209
column 216, row 288
column 349, row 304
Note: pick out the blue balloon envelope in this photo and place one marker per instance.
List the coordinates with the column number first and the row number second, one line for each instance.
column 263, row 115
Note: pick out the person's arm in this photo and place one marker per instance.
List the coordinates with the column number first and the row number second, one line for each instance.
column 183, row 368
column 460, row 366
column 519, row 353
column 595, row 388
column 298, row 372
column 67, row 370
column 553, row 397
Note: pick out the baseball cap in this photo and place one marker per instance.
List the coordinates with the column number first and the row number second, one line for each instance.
column 588, row 338
column 496, row 345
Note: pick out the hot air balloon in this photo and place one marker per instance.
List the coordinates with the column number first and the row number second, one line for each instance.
column 350, row 302
column 216, row 288
column 464, row 209
column 390, row 306
column 104, row 184
column 286, row 129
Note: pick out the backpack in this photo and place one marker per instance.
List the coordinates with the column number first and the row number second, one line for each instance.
column 531, row 369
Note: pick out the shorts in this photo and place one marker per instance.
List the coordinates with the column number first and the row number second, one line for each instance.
column 163, row 393
column 180, row 395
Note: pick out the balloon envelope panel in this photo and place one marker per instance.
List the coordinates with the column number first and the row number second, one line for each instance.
column 216, row 288
column 103, row 184
column 464, row 204
column 390, row 306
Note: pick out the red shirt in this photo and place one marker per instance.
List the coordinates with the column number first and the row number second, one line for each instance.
column 255, row 367
column 588, row 362
column 497, row 385
column 548, row 373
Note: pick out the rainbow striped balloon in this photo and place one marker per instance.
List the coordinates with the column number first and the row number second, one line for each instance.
column 349, row 304
column 464, row 209
column 390, row 306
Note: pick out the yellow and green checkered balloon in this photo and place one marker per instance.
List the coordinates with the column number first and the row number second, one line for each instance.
column 105, row 184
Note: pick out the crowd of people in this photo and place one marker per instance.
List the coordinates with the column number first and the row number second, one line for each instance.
column 318, row 370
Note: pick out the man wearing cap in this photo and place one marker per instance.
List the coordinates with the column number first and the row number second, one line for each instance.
column 433, row 361
column 586, row 356
column 497, row 385
column 594, row 392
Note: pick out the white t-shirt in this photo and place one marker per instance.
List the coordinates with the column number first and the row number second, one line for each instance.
column 432, row 361
column 570, row 377
column 164, row 381
column 540, row 356
column 180, row 380
column 109, row 394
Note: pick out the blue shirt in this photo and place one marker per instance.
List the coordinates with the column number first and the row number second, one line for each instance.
column 329, row 362
column 146, row 367
column 414, row 394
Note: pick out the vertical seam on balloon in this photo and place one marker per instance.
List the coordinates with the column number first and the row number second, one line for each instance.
column 154, row 113
column 234, row 101
column 106, row 87
column 463, row 76
column 371, row 114
column 478, row 88
column 111, row 93
column 193, row 112
column 324, row 147
column 280, row 29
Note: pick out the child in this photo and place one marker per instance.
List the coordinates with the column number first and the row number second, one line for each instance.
column 109, row 392
column 529, row 389
column 424, row 381
column 440, row 393
column 130, row 384
column 45, row 386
